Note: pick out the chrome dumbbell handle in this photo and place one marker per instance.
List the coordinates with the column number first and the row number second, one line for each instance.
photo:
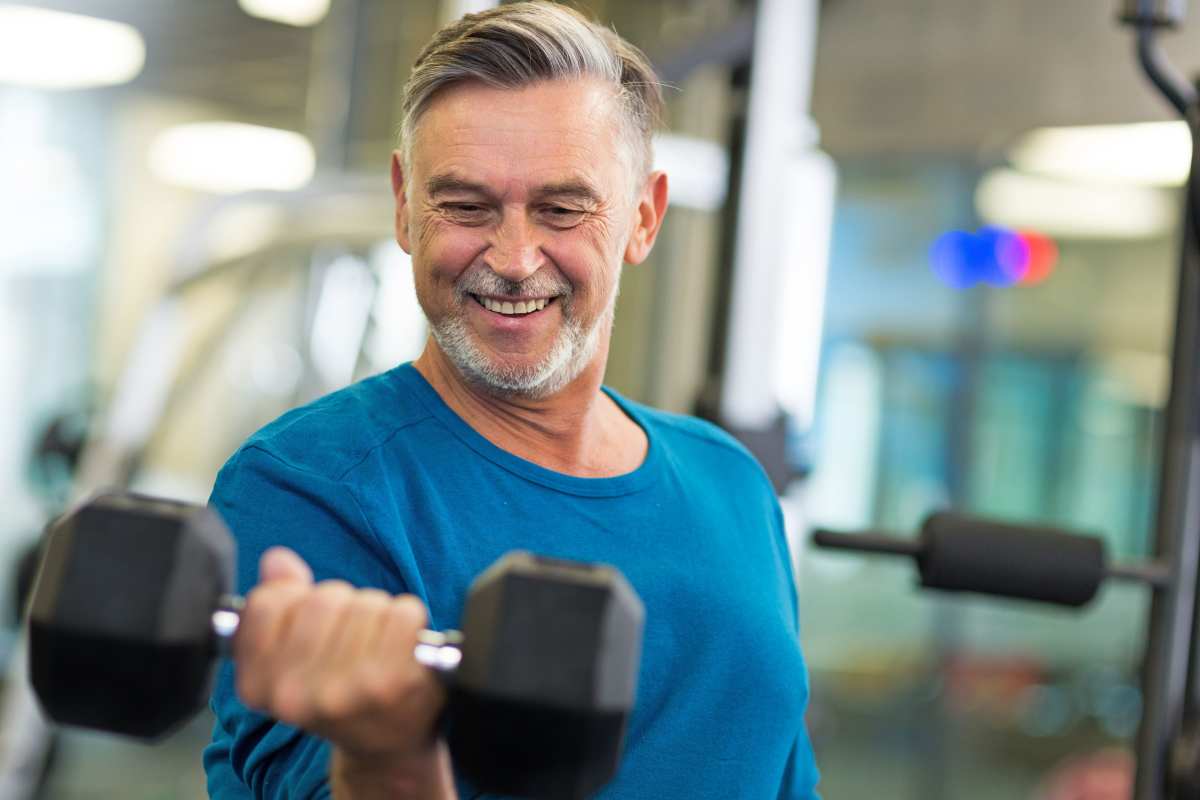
column 440, row 651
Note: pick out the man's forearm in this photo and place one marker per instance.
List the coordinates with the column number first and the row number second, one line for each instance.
column 426, row 776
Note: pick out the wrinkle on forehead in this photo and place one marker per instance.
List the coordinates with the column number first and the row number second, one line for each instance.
column 546, row 133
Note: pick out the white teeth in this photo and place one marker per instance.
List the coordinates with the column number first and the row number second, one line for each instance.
column 521, row 307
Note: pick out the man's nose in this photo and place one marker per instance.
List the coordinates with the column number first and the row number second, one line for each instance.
column 516, row 251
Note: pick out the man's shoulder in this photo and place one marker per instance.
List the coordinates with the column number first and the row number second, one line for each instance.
column 683, row 431
column 333, row 433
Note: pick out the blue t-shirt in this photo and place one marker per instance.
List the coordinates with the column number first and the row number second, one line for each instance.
column 382, row 485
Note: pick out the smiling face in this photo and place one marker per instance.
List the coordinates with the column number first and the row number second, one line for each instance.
column 518, row 208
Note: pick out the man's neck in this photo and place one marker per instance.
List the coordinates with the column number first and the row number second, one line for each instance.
column 578, row 431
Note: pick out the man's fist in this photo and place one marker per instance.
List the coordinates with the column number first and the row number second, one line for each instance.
column 337, row 662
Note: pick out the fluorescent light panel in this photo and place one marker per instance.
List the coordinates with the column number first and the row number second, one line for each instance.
column 230, row 157
column 48, row 49
column 1073, row 210
column 1144, row 154
column 300, row 13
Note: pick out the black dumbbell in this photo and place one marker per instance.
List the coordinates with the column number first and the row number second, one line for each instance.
column 133, row 601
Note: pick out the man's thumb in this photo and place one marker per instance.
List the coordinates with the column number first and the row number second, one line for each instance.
column 282, row 564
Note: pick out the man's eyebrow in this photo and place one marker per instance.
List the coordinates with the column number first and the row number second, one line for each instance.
column 445, row 184
column 572, row 189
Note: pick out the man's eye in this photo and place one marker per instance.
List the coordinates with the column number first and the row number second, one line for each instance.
column 465, row 212
column 561, row 215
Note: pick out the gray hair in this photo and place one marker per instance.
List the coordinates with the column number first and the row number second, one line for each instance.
column 513, row 46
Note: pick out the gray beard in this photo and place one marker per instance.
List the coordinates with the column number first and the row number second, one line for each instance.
column 572, row 351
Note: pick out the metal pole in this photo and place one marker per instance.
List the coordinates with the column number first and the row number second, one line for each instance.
column 1166, row 690
column 784, row 208
column 331, row 86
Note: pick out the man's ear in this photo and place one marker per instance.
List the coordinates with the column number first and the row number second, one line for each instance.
column 650, row 210
column 402, row 208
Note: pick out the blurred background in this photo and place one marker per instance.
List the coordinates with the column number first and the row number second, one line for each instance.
column 195, row 235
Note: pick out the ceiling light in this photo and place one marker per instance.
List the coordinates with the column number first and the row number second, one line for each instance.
column 1073, row 210
column 56, row 50
column 229, row 157
column 1146, row 153
column 290, row 12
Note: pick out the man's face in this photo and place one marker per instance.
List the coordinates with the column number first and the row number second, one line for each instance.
column 518, row 210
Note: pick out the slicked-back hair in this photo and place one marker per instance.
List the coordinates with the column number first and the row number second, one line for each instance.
column 517, row 45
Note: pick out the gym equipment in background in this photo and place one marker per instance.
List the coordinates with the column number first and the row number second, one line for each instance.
column 957, row 552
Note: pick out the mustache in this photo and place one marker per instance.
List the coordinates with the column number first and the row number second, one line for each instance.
column 483, row 281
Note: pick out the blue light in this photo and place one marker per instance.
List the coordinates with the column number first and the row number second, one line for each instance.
column 1008, row 257
column 949, row 256
column 994, row 256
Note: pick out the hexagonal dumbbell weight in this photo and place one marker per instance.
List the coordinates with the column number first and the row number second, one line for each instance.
column 133, row 602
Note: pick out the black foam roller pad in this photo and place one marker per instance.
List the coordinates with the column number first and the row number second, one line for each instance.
column 969, row 554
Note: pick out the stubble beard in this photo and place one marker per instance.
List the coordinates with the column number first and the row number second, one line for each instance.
column 572, row 351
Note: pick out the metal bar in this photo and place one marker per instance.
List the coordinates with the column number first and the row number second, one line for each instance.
column 1179, row 92
column 867, row 542
column 1151, row 573
column 329, row 105
column 1162, row 13
column 771, row 204
column 1165, row 686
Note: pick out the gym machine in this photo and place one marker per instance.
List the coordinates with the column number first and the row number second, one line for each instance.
column 133, row 602
column 956, row 552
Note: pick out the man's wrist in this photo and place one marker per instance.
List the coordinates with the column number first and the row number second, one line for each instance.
column 421, row 776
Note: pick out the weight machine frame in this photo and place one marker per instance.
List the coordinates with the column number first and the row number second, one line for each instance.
column 1168, row 748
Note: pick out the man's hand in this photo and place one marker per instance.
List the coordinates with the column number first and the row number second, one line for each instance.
column 338, row 662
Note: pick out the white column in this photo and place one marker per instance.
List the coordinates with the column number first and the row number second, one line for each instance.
column 784, row 224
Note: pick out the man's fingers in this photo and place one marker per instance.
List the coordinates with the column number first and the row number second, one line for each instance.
column 399, row 626
column 264, row 625
column 318, row 619
column 356, row 642
column 280, row 563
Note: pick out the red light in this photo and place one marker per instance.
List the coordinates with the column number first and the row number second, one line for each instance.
column 1043, row 255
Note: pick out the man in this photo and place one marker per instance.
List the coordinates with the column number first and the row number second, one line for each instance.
column 522, row 184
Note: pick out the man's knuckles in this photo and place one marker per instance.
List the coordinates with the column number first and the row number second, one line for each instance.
column 407, row 614
column 395, row 688
column 265, row 607
column 290, row 701
column 326, row 598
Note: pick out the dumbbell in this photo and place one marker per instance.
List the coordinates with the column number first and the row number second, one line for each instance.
column 134, row 601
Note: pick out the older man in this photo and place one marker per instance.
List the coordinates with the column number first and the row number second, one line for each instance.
column 522, row 185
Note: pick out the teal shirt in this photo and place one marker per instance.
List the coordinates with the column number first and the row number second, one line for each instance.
column 382, row 485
